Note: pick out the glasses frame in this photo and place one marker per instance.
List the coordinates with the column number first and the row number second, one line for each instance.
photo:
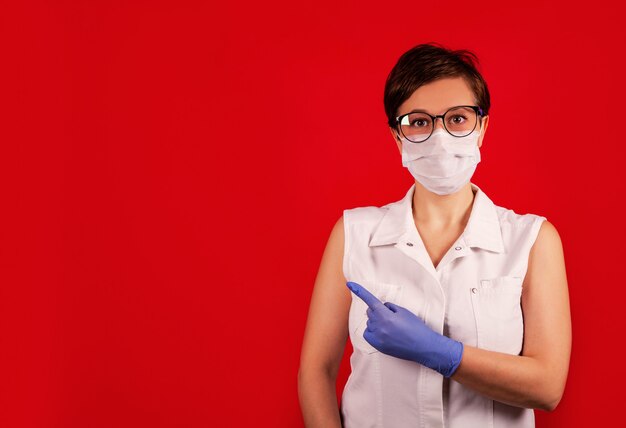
column 478, row 110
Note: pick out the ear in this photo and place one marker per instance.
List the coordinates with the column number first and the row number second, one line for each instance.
column 485, row 123
column 397, row 139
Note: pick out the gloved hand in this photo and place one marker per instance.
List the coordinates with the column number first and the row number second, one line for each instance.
column 396, row 331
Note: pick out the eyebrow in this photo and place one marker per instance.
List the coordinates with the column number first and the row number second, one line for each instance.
column 418, row 110
column 421, row 110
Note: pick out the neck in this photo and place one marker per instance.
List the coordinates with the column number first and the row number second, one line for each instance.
column 442, row 211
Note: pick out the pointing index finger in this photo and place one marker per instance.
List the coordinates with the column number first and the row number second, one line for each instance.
column 371, row 300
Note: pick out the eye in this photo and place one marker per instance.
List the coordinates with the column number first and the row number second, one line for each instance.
column 419, row 123
column 458, row 119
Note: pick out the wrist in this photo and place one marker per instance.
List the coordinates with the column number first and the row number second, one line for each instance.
column 455, row 357
column 445, row 355
column 452, row 353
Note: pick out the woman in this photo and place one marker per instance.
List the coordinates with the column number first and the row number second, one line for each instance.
column 442, row 334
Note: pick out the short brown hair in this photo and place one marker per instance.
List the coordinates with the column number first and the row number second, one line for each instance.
column 425, row 63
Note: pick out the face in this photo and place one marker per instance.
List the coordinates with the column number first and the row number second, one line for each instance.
column 437, row 97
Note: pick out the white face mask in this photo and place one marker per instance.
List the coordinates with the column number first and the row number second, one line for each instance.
column 443, row 163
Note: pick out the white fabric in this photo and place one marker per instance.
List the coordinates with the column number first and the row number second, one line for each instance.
column 443, row 163
column 472, row 296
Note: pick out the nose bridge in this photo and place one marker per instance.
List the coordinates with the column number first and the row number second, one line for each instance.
column 435, row 122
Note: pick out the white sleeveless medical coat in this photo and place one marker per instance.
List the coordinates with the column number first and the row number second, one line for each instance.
column 473, row 296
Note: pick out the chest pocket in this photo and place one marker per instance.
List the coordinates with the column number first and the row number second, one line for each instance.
column 496, row 303
column 357, row 321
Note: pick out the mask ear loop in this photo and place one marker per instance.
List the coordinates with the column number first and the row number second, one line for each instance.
column 480, row 122
column 480, row 126
column 397, row 136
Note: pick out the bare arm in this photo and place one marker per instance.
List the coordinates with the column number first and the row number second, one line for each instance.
column 325, row 337
column 535, row 379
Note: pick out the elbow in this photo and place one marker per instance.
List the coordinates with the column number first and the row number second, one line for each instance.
column 300, row 376
column 549, row 405
column 550, row 401
column 551, row 385
column 328, row 370
column 301, row 383
column 308, row 374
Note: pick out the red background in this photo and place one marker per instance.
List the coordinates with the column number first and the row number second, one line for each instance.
column 170, row 172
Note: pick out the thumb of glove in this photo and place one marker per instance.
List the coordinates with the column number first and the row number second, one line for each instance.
column 392, row 306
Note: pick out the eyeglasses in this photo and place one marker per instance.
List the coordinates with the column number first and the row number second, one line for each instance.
column 459, row 121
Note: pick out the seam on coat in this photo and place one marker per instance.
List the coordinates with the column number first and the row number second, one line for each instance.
column 379, row 390
column 421, row 379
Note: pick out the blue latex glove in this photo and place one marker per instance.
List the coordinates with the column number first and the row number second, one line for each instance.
column 396, row 331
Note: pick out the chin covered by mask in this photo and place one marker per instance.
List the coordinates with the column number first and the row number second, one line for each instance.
column 443, row 163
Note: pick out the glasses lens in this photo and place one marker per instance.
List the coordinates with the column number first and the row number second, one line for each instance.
column 416, row 127
column 460, row 121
